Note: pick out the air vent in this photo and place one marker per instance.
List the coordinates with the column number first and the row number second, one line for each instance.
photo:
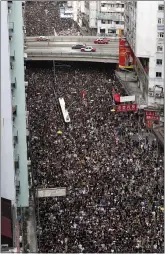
column 151, row 94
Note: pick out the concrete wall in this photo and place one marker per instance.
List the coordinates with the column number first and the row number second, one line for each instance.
column 146, row 28
column 7, row 161
column 19, row 99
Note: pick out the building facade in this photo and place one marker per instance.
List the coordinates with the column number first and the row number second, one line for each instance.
column 144, row 30
column 99, row 17
column 14, row 168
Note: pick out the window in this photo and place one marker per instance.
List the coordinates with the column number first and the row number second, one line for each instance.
column 158, row 74
column 159, row 61
column 161, row 7
column 159, row 48
column 109, row 21
column 160, row 34
column 102, row 5
column 159, row 20
column 122, row 5
column 102, row 21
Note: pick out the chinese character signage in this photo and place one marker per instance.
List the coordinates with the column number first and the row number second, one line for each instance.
column 126, row 107
column 126, row 55
column 154, row 118
column 151, row 116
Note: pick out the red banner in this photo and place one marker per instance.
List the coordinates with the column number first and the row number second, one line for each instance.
column 153, row 118
column 126, row 55
column 126, row 107
column 150, row 113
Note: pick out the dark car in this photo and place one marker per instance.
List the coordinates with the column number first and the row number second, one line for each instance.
column 79, row 46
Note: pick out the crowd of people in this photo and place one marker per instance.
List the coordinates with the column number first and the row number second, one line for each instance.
column 114, row 183
column 42, row 18
column 114, row 199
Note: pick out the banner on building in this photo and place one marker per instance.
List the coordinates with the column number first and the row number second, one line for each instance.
column 126, row 55
column 126, row 107
column 151, row 116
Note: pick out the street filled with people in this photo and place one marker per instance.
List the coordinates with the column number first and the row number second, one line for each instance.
column 109, row 163
column 42, row 18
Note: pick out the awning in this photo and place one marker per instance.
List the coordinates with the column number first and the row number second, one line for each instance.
column 6, row 229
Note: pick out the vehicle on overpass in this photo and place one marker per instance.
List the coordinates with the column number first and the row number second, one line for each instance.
column 42, row 38
column 101, row 41
column 79, row 46
column 103, row 38
column 88, row 49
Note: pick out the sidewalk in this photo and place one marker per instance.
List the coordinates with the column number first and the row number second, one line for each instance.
column 31, row 229
column 130, row 84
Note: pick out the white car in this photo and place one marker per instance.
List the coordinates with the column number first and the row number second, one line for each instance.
column 88, row 49
column 103, row 38
column 42, row 38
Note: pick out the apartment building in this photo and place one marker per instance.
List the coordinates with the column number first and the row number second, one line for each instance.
column 14, row 164
column 99, row 17
column 110, row 17
column 144, row 30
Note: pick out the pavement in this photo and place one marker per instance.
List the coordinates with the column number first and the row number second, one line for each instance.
column 130, row 84
column 31, row 230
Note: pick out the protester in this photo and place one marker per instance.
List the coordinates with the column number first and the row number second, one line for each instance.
column 43, row 18
column 108, row 162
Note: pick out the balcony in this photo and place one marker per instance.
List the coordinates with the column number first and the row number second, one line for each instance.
column 11, row 26
column 16, row 163
column 109, row 16
column 14, row 110
column 13, row 83
column 11, row 66
column 12, row 56
column 10, row 37
column 112, row 9
column 160, row 27
column 17, row 183
column 15, row 139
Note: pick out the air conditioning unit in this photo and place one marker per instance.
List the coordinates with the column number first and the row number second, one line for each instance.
column 25, row 56
column 151, row 94
column 29, row 162
column 11, row 66
column 26, row 83
column 157, row 95
column 9, row 10
column 150, row 89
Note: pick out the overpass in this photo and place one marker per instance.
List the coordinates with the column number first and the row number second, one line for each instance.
column 60, row 48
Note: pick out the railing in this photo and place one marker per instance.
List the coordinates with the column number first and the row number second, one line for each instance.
column 85, row 54
column 143, row 77
column 74, row 39
column 109, row 16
